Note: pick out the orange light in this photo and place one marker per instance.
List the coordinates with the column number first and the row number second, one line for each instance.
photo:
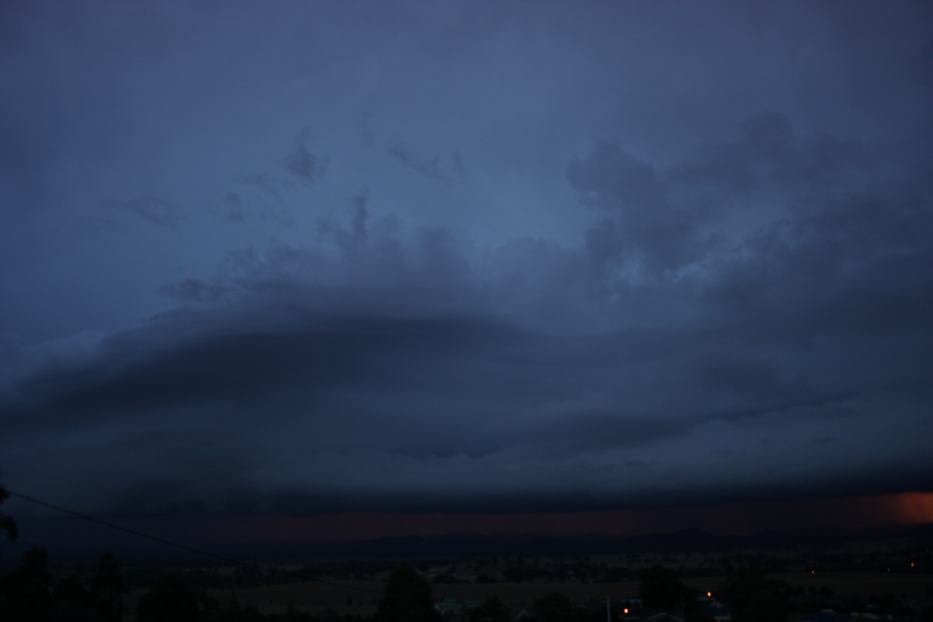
column 625, row 611
column 911, row 507
column 709, row 595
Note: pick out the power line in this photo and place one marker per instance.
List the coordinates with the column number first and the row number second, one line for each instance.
column 132, row 532
column 168, row 542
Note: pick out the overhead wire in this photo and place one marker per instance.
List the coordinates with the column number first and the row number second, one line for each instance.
column 169, row 542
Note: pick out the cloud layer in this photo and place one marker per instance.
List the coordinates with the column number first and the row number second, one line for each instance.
column 478, row 263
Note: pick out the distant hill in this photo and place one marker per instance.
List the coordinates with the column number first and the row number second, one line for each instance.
column 69, row 540
column 685, row 541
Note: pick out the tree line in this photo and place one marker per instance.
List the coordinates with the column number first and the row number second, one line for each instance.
column 29, row 593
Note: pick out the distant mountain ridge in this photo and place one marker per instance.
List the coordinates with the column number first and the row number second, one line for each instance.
column 68, row 543
column 682, row 541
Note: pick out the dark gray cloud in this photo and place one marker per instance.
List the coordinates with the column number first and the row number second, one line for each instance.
column 193, row 290
column 642, row 223
column 302, row 163
column 692, row 266
column 154, row 211
column 429, row 167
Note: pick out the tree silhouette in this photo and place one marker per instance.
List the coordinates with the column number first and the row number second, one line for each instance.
column 553, row 608
column 755, row 598
column 7, row 524
column 407, row 598
column 169, row 600
column 25, row 594
column 491, row 610
column 693, row 609
column 107, row 589
column 661, row 589
column 926, row 607
column 73, row 602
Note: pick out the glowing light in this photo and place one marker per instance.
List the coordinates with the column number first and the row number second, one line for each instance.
column 625, row 611
column 812, row 572
column 912, row 507
column 709, row 595
column 913, row 564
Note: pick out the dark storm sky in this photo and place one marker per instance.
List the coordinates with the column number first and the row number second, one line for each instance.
column 443, row 256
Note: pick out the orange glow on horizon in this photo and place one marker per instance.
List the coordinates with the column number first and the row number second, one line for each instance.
column 915, row 508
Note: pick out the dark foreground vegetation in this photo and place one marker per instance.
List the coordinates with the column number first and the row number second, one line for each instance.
column 749, row 592
column 29, row 593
